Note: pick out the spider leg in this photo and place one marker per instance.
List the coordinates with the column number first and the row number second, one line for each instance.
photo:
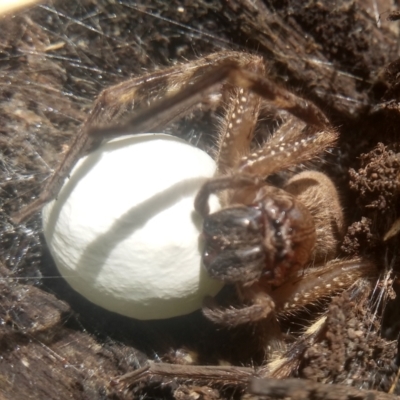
column 236, row 129
column 223, row 183
column 280, row 97
column 279, row 154
column 260, row 306
column 315, row 283
column 232, row 69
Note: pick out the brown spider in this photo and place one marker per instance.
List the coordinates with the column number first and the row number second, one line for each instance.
column 264, row 236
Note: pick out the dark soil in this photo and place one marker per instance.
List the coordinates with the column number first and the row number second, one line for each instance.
column 55, row 59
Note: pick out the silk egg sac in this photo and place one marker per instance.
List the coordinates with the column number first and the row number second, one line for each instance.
column 123, row 231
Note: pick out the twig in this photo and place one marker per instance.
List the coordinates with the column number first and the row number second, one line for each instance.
column 225, row 375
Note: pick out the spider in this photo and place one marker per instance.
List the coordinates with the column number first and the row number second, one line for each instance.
column 264, row 236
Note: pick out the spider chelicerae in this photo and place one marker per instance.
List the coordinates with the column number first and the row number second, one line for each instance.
column 264, row 236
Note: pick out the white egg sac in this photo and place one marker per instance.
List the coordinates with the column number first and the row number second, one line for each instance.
column 123, row 231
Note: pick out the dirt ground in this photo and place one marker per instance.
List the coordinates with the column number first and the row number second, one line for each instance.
column 55, row 58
